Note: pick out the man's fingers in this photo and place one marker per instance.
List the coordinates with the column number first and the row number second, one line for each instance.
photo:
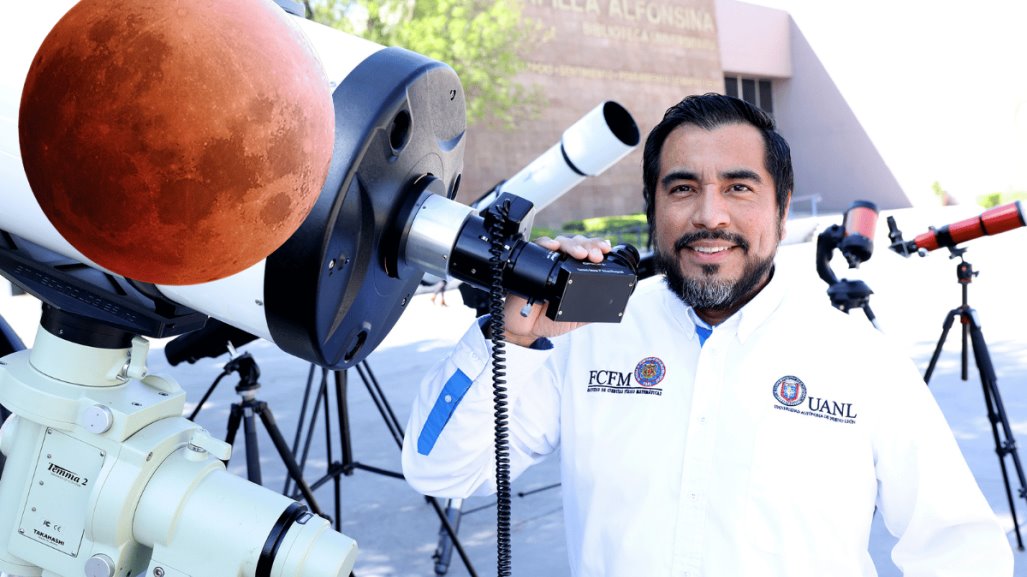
column 578, row 247
column 548, row 243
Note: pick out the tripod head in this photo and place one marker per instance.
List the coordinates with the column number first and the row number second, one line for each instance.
column 249, row 372
column 965, row 271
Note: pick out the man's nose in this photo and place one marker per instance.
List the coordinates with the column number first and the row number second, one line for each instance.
column 712, row 211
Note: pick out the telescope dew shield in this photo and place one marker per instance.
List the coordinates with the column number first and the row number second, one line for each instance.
column 261, row 532
column 993, row 221
column 859, row 224
column 590, row 146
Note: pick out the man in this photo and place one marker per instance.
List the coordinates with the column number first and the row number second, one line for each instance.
column 724, row 428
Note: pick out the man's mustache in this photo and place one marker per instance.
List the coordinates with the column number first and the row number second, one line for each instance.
column 688, row 238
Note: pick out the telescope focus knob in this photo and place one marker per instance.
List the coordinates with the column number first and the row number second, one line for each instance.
column 99, row 565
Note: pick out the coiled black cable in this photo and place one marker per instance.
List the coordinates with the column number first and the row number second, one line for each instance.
column 496, row 329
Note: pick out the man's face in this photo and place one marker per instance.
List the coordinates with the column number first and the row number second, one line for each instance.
column 716, row 217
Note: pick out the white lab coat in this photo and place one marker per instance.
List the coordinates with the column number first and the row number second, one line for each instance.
column 763, row 452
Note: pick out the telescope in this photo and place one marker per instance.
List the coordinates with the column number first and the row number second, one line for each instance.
column 103, row 476
column 855, row 239
column 992, row 221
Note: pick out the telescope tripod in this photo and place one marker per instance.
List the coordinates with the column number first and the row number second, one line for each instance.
column 1005, row 444
column 244, row 413
column 348, row 465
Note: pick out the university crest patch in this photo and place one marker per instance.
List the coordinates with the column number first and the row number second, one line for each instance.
column 650, row 371
column 790, row 391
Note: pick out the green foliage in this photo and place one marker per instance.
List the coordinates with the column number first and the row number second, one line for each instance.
column 990, row 200
column 625, row 229
column 993, row 199
column 480, row 39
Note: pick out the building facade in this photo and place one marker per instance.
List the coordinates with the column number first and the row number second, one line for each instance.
column 647, row 55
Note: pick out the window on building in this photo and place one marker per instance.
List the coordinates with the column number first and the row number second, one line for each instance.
column 755, row 91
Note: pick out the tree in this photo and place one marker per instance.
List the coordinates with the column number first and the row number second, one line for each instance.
column 480, row 39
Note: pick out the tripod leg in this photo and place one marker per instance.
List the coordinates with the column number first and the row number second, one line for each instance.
column 287, row 458
column 870, row 316
column 941, row 342
column 252, row 449
column 234, row 420
column 444, row 551
column 341, row 467
column 342, row 407
column 206, row 395
column 299, row 422
column 378, row 396
column 1005, row 444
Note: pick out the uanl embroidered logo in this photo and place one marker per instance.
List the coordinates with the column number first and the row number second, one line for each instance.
column 648, row 373
column 792, row 393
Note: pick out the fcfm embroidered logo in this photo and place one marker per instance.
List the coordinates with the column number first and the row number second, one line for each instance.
column 650, row 371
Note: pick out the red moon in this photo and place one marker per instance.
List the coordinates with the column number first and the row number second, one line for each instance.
column 176, row 142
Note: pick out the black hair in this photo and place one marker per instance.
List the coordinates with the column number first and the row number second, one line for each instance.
column 709, row 111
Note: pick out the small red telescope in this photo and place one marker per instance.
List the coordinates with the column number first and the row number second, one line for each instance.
column 990, row 222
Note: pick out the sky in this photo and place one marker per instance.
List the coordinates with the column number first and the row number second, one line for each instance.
column 941, row 85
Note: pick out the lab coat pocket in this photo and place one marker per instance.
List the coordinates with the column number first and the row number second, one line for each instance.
column 811, row 491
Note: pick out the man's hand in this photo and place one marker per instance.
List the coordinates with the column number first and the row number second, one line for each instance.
column 525, row 330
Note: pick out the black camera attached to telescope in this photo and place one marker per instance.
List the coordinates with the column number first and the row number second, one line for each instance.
column 576, row 291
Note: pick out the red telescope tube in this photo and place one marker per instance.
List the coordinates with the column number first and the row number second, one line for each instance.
column 992, row 221
column 861, row 219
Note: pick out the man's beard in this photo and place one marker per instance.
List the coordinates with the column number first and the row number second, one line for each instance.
column 709, row 292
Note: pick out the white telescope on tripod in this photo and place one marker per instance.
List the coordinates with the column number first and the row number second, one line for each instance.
column 103, row 477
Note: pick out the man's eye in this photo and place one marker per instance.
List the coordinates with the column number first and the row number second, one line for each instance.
column 740, row 188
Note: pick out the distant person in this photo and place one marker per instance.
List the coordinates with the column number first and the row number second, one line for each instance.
column 727, row 427
column 440, row 293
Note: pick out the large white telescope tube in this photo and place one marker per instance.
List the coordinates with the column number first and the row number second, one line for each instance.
column 236, row 299
column 587, row 148
column 398, row 115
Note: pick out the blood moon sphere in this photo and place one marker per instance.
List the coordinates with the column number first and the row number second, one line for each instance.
column 176, row 142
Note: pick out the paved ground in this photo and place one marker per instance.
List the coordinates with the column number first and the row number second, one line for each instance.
column 397, row 530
